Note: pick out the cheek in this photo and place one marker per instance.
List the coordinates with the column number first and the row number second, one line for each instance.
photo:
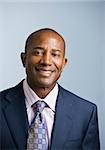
column 29, row 66
column 34, row 59
column 59, row 65
column 31, row 61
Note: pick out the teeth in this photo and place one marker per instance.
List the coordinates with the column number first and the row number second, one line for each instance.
column 45, row 72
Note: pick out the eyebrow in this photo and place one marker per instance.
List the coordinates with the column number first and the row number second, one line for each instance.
column 54, row 50
column 38, row 47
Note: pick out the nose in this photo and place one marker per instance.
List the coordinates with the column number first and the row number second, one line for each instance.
column 46, row 59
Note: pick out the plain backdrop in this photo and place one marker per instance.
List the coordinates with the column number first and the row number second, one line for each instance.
column 82, row 24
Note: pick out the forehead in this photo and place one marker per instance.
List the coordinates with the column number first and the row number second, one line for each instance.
column 46, row 37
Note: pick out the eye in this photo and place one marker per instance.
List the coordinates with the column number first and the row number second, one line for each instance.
column 37, row 52
column 55, row 54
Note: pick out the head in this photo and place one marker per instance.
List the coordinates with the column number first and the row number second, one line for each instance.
column 44, row 58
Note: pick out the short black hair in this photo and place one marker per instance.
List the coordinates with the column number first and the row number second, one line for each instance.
column 41, row 30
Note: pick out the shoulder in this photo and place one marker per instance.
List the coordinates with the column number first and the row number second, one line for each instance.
column 77, row 101
column 4, row 93
column 19, row 85
column 13, row 91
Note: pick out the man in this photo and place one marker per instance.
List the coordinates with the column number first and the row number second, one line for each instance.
column 71, row 121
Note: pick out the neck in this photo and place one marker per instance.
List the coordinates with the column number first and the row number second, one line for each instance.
column 42, row 92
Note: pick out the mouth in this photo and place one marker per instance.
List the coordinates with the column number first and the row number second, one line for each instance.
column 44, row 72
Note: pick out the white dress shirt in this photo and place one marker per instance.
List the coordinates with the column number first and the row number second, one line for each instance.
column 48, row 113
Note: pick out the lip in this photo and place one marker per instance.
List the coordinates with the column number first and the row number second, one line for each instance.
column 44, row 72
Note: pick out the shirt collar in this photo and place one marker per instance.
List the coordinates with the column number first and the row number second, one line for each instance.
column 32, row 97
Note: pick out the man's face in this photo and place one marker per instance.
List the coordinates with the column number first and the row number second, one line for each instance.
column 44, row 59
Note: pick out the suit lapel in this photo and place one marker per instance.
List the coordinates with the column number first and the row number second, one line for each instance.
column 63, row 120
column 16, row 116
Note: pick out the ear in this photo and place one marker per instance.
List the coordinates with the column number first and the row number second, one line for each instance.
column 23, row 59
column 66, row 60
column 64, row 63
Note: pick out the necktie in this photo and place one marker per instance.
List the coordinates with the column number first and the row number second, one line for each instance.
column 37, row 137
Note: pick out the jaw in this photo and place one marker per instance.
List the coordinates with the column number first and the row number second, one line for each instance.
column 43, row 79
column 41, row 87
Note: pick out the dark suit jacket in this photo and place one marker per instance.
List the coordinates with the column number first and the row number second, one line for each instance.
column 75, row 125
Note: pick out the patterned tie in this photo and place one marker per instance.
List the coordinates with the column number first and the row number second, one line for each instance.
column 37, row 138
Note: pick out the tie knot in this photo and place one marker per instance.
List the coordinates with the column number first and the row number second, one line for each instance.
column 39, row 106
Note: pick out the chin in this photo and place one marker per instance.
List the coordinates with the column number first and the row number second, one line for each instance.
column 45, row 84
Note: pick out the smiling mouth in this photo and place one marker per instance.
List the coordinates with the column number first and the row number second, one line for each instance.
column 44, row 72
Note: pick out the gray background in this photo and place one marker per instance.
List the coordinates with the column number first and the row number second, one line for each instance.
column 83, row 26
